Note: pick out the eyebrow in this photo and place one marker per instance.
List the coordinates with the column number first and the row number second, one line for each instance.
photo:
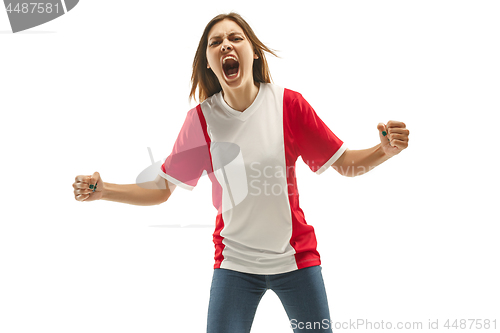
column 230, row 34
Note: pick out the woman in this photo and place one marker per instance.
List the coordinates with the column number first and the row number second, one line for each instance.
column 247, row 134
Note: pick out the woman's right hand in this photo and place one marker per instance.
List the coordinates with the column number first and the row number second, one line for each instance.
column 82, row 187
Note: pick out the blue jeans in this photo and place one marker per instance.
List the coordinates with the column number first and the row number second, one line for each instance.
column 234, row 297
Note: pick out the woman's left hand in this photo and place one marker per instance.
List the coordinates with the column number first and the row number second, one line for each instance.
column 395, row 138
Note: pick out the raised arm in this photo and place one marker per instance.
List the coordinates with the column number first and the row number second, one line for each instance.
column 393, row 137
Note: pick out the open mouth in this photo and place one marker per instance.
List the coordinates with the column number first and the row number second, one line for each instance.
column 230, row 67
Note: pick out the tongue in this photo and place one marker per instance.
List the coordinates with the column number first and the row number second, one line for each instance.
column 231, row 71
column 231, row 67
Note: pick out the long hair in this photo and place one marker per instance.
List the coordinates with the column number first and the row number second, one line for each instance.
column 205, row 80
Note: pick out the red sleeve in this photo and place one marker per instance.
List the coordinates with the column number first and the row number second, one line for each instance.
column 190, row 155
column 313, row 140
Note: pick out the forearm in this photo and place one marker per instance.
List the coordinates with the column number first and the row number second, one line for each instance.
column 357, row 162
column 147, row 194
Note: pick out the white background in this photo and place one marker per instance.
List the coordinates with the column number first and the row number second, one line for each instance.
column 415, row 239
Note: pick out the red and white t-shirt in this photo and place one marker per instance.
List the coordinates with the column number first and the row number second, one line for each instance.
column 250, row 158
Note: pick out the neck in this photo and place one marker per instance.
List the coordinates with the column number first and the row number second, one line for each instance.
column 241, row 98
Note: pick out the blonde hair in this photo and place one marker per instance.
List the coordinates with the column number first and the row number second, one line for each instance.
column 205, row 80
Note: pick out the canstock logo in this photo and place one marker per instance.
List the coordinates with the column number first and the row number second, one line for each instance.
column 24, row 15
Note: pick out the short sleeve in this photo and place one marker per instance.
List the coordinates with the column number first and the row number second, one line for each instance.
column 314, row 141
column 190, row 154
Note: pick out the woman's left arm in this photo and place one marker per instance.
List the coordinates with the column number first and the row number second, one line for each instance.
column 393, row 139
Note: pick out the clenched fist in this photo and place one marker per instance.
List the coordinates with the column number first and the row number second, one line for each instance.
column 88, row 188
column 394, row 137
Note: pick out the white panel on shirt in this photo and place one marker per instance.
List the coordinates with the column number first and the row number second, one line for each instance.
column 255, row 207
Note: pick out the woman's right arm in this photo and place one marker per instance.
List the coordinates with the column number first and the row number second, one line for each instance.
column 143, row 194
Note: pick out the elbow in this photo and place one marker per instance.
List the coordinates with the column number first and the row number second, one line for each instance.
column 355, row 172
column 168, row 192
column 346, row 172
column 350, row 171
column 165, row 198
column 349, row 174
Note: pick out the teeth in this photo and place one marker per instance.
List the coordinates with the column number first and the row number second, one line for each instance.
column 228, row 57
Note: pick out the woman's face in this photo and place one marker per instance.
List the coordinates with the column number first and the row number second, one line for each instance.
column 230, row 54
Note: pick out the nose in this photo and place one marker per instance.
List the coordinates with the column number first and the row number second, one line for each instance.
column 226, row 47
